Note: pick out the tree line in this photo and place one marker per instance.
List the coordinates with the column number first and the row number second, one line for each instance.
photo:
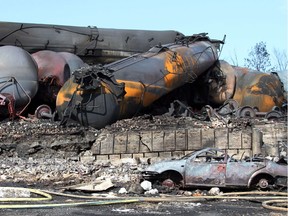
column 260, row 59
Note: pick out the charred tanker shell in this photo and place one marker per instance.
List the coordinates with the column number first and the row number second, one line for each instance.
column 90, row 97
column 54, row 69
column 221, row 83
column 258, row 89
column 162, row 69
column 247, row 87
column 74, row 62
column 147, row 77
column 92, row 44
column 51, row 66
column 18, row 80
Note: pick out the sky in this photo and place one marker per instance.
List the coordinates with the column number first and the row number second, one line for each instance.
column 244, row 22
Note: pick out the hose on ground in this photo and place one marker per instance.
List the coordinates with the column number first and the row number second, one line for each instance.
column 277, row 198
column 45, row 196
column 67, row 204
column 168, row 198
column 266, row 203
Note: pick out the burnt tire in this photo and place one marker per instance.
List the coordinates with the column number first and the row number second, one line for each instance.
column 263, row 182
column 172, row 178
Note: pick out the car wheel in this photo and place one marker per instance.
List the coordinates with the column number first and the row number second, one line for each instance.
column 172, row 179
column 263, row 183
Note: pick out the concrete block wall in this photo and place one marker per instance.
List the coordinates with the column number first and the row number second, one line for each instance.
column 274, row 136
column 176, row 143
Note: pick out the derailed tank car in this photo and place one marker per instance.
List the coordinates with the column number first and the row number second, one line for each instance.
column 258, row 89
column 249, row 88
column 97, row 96
column 18, row 80
column 54, row 69
column 92, row 44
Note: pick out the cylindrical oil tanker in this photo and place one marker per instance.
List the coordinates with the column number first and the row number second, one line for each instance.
column 249, row 88
column 54, row 69
column 98, row 96
column 92, row 44
column 264, row 91
column 18, row 80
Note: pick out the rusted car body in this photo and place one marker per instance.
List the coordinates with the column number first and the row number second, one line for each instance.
column 98, row 96
column 213, row 167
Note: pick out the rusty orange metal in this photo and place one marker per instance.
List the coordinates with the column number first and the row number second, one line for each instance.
column 146, row 78
column 258, row 89
column 223, row 89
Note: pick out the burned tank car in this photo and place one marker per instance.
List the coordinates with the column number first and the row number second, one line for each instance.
column 249, row 88
column 259, row 90
column 91, row 44
column 98, row 96
column 18, row 80
column 54, row 69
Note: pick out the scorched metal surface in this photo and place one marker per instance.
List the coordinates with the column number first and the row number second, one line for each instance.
column 97, row 45
column 213, row 167
column 146, row 77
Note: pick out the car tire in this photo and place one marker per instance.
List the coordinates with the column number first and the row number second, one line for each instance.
column 173, row 176
column 263, row 183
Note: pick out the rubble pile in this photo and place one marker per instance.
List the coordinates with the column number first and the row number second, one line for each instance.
column 42, row 137
column 45, row 153
column 57, row 172
column 166, row 122
column 46, row 138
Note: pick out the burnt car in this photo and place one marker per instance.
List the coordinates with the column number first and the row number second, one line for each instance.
column 211, row 167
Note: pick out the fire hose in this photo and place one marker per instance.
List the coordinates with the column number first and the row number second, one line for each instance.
column 273, row 198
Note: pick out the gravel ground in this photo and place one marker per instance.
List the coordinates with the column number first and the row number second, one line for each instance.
column 42, row 154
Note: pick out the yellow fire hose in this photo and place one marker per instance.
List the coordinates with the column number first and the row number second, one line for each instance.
column 45, row 196
column 280, row 198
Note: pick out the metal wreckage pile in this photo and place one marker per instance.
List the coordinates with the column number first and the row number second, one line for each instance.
column 45, row 68
column 60, row 82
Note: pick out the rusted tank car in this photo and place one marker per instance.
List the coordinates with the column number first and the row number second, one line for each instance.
column 54, row 69
column 98, row 96
column 92, row 44
column 258, row 90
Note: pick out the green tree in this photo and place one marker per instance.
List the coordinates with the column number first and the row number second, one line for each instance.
column 259, row 58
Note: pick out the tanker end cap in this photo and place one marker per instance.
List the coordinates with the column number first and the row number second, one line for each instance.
column 91, row 97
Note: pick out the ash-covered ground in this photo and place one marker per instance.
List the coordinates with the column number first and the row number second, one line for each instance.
column 42, row 152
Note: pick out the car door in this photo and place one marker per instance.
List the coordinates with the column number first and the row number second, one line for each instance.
column 206, row 169
column 238, row 172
